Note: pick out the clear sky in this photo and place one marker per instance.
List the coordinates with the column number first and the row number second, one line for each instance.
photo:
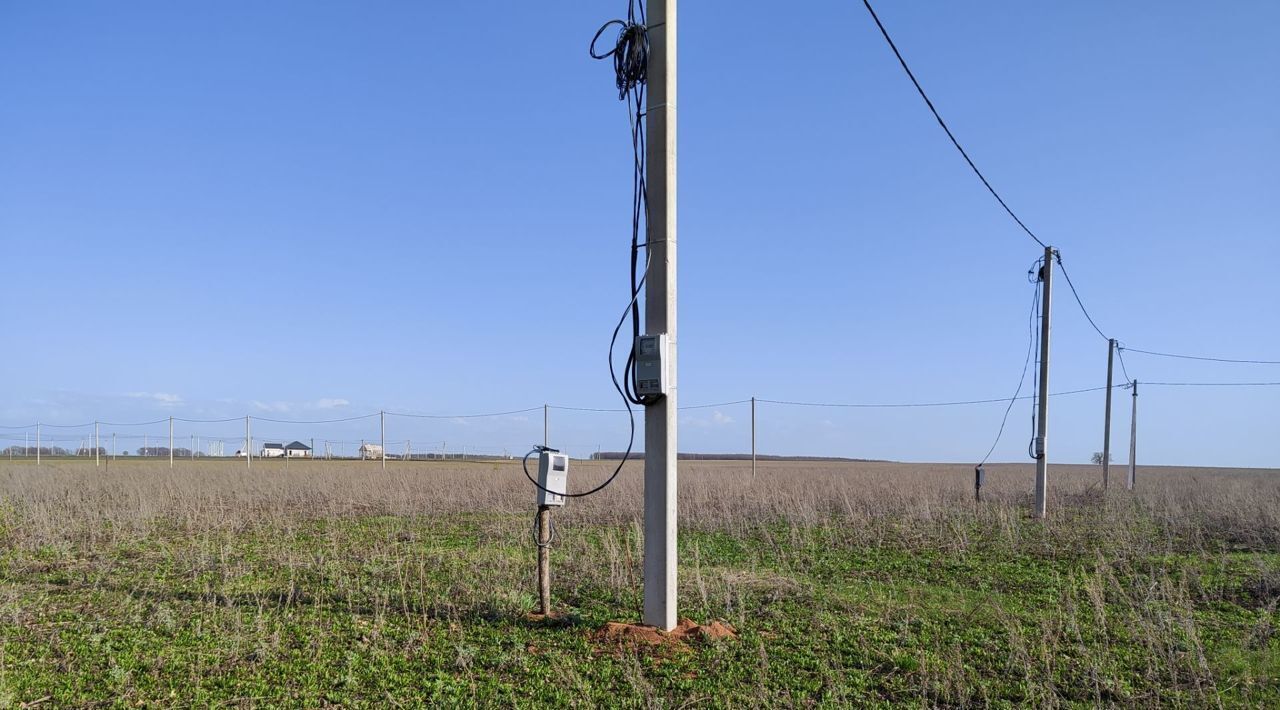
column 316, row 210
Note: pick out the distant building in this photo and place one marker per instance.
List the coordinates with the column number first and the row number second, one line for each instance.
column 297, row 450
column 270, row 451
column 370, row 451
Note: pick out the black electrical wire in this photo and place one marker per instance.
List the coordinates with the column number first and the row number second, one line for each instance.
column 316, row 421
column 1198, row 357
column 1211, row 384
column 1125, row 370
column 1035, row 381
column 1026, row 362
column 943, row 123
column 1085, row 311
column 630, row 55
column 539, row 449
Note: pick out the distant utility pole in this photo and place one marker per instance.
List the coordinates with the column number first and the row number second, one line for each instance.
column 170, row 443
column 383, row 419
column 544, row 424
column 753, row 437
column 1042, row 423
column 1106, row 429
column 37, row 443
column 113, row 446
column 97, row 460
column 248, row 445
column 660, row 426
column 1133, row 441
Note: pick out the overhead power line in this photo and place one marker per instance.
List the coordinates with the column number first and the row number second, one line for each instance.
column 1199, row 357
column 1062, row 267
column 1026, row 362
column 945, row 128
column 1125, row 370
column 895, row 405
column 1211, row 384
column 463, row 416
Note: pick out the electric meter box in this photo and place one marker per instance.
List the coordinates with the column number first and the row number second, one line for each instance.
column 553, row 475
column 651, row 365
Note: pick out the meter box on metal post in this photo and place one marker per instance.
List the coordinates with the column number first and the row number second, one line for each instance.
column 651, row 365
column 553, row 475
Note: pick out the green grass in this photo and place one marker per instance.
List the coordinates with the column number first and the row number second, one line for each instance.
column 386, row 611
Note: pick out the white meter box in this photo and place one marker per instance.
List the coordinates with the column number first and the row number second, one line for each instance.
column 651, row 365
column 553, row 475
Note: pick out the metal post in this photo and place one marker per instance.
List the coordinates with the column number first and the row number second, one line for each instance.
column 660, row 427
column 171, row 443
column 248, row 445
column 383, row 419
column 1106, row 429
column 753, row 437
column 1133, row 441
column 1042, row 423
column 97, row 460
column 544, row 559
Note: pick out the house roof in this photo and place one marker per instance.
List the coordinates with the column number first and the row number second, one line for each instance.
column 273, row 446
column 298, row 446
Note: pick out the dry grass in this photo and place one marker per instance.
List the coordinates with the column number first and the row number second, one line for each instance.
column 850, row 582
column 1239, row 507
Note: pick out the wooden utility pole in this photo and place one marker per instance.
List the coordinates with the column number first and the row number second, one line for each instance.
column 1106, row 429
column 1133, row 441
column 1042, row 423
column 660, row 447
column 544, row 559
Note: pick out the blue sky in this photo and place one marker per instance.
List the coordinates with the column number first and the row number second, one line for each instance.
column 319, row 210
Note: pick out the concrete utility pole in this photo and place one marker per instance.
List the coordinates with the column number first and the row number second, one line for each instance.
column 1133, row 441
column 97, row 460
column 1106, row 429
column 660, row 426
column 544, row 424
column 113, row 446
column 1042, row 423
column 37, row 443
column 382, row 417
column 753, row 437
column 248, row 445
column 170, row 443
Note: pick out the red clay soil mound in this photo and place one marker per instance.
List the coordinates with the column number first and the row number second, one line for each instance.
column 639, row 634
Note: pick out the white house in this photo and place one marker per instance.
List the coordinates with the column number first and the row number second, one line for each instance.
column 297, row 450
column 270, row 451
column 370, row 451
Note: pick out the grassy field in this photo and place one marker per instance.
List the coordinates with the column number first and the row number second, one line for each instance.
column 849, row 584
